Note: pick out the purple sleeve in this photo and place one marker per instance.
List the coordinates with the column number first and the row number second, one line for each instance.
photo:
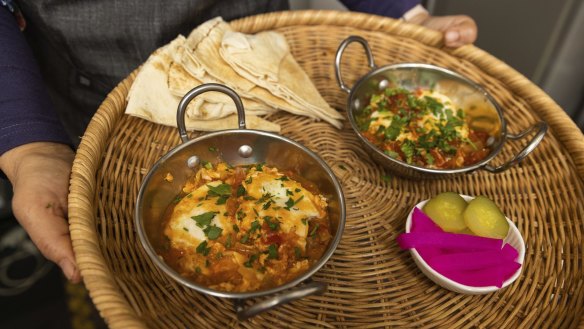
column 26, row 112
column 389, row 8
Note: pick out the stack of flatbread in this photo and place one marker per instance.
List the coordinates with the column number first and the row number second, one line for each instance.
column 260, row 68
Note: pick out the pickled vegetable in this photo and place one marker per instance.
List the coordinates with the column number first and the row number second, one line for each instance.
column 484, row 218
column 446, row 209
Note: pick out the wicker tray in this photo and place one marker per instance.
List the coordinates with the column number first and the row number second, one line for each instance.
column 372, row 283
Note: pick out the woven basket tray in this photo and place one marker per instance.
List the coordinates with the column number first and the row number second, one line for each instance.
column 371, row 282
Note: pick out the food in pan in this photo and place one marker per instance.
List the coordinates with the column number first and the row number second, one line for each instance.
column 422, row 128
column 245, row 228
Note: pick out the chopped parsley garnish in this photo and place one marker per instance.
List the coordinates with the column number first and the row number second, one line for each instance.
column 273, row 224
column 272, row 252
column 244, row 238
column 267, row 205
column 250, row 261
column 255, row 225
column 429, row 158
column 314, row 230
column 283, row 178
column 222, row 199
column 289, row 203
column 391, row 153
column 297, row 252
column 241, row 191
column 202, row 248
column 408, row 149
column 394, row 128
column 220, row 190
column 204, row 219
column 212, row 232
column 265, row 197
column 212, row 149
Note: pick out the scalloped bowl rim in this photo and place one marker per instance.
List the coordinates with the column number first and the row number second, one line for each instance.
column 514, row 238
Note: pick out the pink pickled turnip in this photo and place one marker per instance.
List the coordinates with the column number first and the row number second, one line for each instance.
column 448, row 240
column 473, row 260
column 422, row 223
column 467, row 259
column 489, row 276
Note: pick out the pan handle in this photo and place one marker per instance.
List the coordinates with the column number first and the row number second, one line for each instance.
column 310, row 288
column 541, row 128
column 188, row 97
column 341, row 50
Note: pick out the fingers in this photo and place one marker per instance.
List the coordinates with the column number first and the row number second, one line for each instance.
column 462, row 32
column 459, row 30
column 43, row 218
column 39, row 173
column 50, row 234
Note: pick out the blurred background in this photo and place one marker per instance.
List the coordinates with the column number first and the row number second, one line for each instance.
column 542, row 39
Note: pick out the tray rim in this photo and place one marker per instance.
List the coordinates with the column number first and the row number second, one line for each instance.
column 103, row 288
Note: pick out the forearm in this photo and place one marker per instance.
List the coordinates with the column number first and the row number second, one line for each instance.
column 26, row 111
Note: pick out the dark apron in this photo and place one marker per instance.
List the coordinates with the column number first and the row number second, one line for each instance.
column 86, row 47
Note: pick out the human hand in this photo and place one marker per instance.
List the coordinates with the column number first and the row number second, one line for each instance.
column 458, row 30
column 39, row 173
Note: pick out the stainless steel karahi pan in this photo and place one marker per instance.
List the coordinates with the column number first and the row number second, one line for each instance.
column 424, row 76
column 237, row 147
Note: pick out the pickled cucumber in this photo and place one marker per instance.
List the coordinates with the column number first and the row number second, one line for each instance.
column 484, row 218
column 445, row 209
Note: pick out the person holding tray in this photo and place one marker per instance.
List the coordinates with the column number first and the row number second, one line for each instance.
column 83, row 52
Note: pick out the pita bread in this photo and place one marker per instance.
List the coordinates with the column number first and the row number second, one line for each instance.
column 277, row 71
column 210, row 105
column 150, row 98
column 203, row 60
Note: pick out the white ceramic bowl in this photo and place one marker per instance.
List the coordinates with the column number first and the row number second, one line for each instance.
column 513, row 238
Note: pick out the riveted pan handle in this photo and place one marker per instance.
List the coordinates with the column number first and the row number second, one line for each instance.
column 341, row 50
column 540, row 127
column 310, row 288
column 188, row 97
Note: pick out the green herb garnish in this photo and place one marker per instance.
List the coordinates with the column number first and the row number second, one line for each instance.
column 204, row 219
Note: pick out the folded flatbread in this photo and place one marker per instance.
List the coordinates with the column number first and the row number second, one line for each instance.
column 150, row 97
column 265, row 59
column 211, row 105
column 203, row 60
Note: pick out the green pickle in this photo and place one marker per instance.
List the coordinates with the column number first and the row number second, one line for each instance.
column 484, row 218
column 446, row 209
